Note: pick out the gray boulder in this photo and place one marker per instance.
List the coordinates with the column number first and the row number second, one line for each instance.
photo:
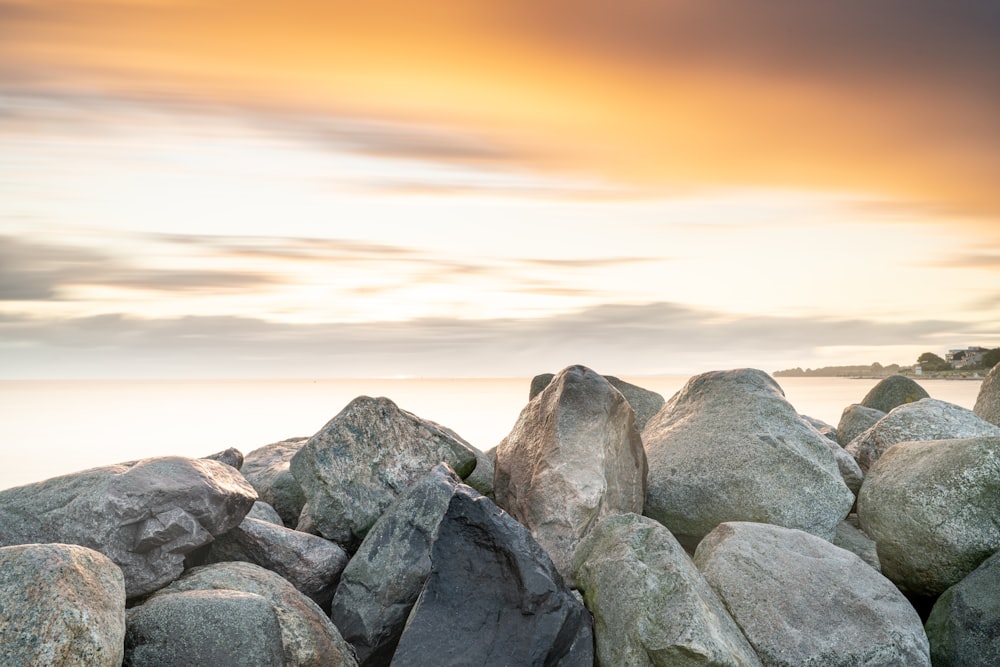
column 892, row 392
column 855, row 420
column 849, row 536
column 964, row 625
column 988, row 401
column 926, row 419
column 932, row 509
column 849, row 469
column 60, row 604
column 729, row 447
column 481, row 478
column 231, row 457
column 144, row 516
column 645, row 403
column 266, row 468
column 265, row 512
column 651, row 606
column 573, row 458
column 357, row 464
column 803, row 601
column 826, row 430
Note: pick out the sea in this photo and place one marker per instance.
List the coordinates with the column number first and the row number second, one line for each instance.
column 50, row 428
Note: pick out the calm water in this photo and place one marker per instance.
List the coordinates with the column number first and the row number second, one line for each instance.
column 49, row 428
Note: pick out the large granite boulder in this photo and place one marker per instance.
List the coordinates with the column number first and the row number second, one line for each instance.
column 645, row 403
column 60, row 604
column 926, row 419
column 964, row 625
column 855, row 420
column 266, row 468
column 803, row 601
column 933, row 509
column 573, row 458
column 850, row 536
column 145, row 516
column 729, row 447
column 357, row 464
column 892, row 392
column 988, row 401
column 651, row 606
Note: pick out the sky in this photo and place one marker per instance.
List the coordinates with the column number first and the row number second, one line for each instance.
column 216, row 189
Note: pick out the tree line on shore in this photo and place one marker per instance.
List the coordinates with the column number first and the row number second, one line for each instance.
column 928, row 362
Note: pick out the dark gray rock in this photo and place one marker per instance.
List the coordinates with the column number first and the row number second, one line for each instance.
column 645, row 403
column 964, row 626
column 988, row 400
column 145, row 516
column 60, row 604
column 481, row 479
column 803, row 601
column 892, row 392
column 573, row 458
column 266, row 468
column 855, row 420
column 231, row 457
column 357, row 464
column 265, row 512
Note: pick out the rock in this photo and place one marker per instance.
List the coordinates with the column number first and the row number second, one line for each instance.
column 988, row 401
column 853, row 539
column 855, row 420
column 826, row 430
column 308, row 638
column 892, row 392
column 803, row 601
column 231, row 457
column 310, row 563
column 481, row 478
column 573, row 458
column 203, row 628
column 357, row 464
column 729, row 447
column 265, row 512
column 645, row 403
column 267, row 471
column 651, row 606
column 60, row 604
column 932, row 509
column 926, row 419
column 145, row 516
column 849, row 469
column 964, row 626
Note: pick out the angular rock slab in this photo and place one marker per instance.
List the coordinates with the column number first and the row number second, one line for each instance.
column 573, row 458
column 926, row 419
column 988, row 400
column 892, row 392
column 651, row 605
column 60, row 604
column 266, row 468
column 367, row 455
column 855, row 420
column 933, row 509
column 144, row 516
column 802, row 601
column 964, row 625
column 645, row 403
column 729, row 447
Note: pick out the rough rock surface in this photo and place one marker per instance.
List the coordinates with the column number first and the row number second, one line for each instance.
column 729, row 447
column 651, row 605
column 932, row 509
column 824, row 606
column 481, row 478
column 988, row 400
column 849, row 469
column 964, row 626
column 231, row 457
column 266, row 468
column 645, row 403
column 926, row 419
column 60, row 604
column 308, row 637
column 265, row 512
column 892, row 392
column 573, row 458
column 855, row 420
column 144, row 516
column 357, row 464
column 852, row 538
column 826, row 430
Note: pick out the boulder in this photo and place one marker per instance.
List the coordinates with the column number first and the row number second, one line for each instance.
column 926, row 419
column 855, row 420
column 573, row 458
column 308, row 638
column 265, row 512
column 645, row 403
column 362, row 459
column 60, row 604
column 988, row 401
column 849, row 469
column 852, row 538
column 933, row 509
column 964, row 625
column 481, row 478
column 892, row 392
column 144, row 516
column 826, row 430
column 803, row 601
column 651, row 605
column 267, row 471
column 231, row 457
column 729, row 447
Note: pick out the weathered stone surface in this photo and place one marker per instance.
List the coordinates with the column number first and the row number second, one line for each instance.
column 573, row 458
column 892, row 392
column 645, row 403
column 964, row 626
column 310, row 563
column 926, row 419
column 203, row 628
column 855, row 420
column 933, row 509
column 729, row 447
column 651, row 606
column 60, row 604
column 849, row 469
column 481, row 479
column 826, row 430
column 988, row 400
column 493, row 597
column 265, row 512
column 308, row 638
column 803, row 601
column 357, row 464
column 231, row 457
column 852, row 538
column 145, row 516
column 266, row 468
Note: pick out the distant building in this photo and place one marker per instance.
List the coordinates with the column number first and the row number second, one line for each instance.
column 970, row 357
